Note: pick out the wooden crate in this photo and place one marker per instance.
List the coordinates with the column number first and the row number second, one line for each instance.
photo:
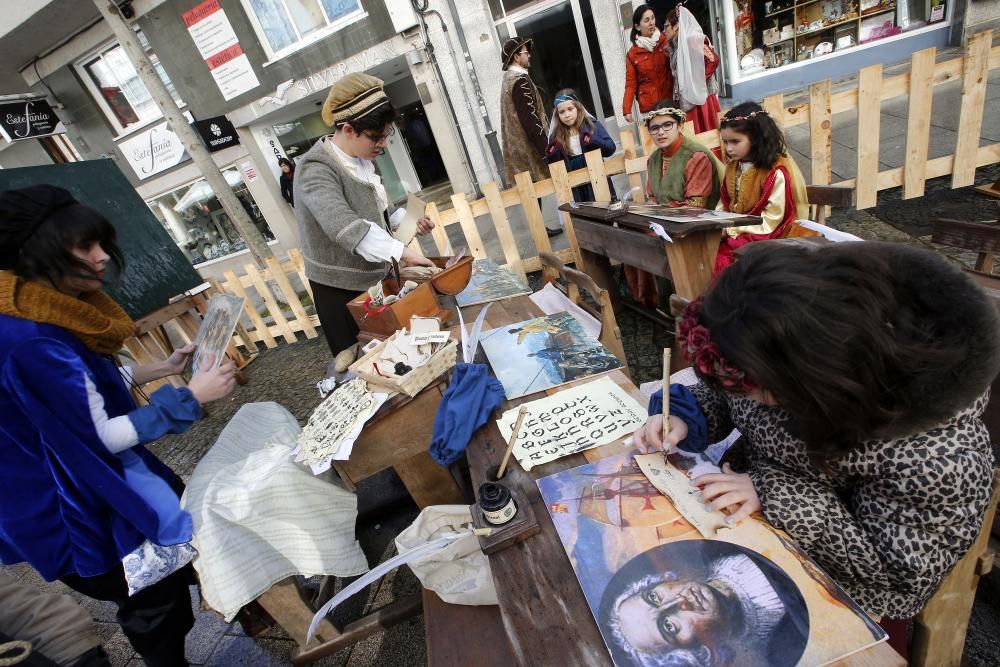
column 413, row 382
column 422, row 301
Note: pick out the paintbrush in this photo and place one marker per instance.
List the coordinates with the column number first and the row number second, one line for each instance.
column 666, row 396
column 510, row 444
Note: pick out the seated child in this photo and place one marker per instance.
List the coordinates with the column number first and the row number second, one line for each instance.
column 858, row 374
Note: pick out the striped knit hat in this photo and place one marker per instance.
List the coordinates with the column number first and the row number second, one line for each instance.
column 352, row 97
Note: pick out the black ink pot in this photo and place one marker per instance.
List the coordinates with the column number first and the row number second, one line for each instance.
column 496, row 503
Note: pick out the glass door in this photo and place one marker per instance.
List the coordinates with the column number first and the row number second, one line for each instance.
column 563, row 51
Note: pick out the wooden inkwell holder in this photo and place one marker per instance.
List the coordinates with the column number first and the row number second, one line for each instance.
column 484, row 460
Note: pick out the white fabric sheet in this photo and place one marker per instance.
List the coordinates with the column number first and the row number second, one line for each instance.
column 260, row 518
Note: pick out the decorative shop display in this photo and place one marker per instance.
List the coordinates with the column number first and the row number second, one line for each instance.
column 198, row 224
column 774, row 33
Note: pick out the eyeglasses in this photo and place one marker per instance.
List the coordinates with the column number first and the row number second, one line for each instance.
column 379, row 138
column 662, row 127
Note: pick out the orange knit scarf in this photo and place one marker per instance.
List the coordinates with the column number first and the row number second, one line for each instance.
column 94, row 318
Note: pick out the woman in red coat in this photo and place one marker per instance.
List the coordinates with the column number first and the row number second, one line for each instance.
column 647, row 71
column 692, row 64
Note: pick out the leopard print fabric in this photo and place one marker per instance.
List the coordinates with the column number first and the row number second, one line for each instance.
column 888, row 520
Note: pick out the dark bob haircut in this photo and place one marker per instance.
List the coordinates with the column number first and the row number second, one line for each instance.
column 855, row 341
column 39, row 228
column 767, row 143
column 373, row 122
column 637, row 16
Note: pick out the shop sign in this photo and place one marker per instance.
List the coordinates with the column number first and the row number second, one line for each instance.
column 249, row 172
column 153, row 151
column 218, row 45
column 28, row 119
column 217, row 133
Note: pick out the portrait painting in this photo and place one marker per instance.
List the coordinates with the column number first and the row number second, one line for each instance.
column 663, row 594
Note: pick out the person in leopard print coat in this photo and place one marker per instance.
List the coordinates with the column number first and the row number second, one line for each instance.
column 857, row 374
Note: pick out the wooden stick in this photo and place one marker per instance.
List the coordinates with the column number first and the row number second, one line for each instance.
column 510, row 444
column 666, row 392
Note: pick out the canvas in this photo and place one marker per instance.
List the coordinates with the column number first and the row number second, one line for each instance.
column 661, row 593
column 490, row 282
column 216, row 330
column 545, row 352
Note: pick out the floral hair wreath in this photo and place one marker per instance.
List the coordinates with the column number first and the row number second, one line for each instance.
column 749, row 116
column 679, row 114
column 706, row 355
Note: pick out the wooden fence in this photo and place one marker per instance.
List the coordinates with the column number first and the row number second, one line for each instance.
column 866, row 97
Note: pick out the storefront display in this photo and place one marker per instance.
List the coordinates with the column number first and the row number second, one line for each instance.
column 776, row 33
column 196, row 221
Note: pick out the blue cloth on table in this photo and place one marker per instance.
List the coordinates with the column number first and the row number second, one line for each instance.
column 468, row 402
column 684, row 405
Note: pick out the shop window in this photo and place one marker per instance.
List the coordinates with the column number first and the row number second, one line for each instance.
column 197, row 223
column 120, row 93
column 774, row 33
column 283, row 24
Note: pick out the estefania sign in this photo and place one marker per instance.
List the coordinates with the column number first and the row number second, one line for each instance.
column 153, row 151
column 28, row 119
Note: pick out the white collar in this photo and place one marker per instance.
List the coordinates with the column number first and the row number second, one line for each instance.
column 343, row 155
column 516, row 70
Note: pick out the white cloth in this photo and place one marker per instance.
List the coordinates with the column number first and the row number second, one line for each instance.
column 117, row 433
column 260, row 518
column 648, row 43
column 551, row 300
column 574, row 145
column 689, row 61
column 516, row 70
column 460, row 572
column 378, row 245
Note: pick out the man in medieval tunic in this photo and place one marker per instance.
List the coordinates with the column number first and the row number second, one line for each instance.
column 523, row 125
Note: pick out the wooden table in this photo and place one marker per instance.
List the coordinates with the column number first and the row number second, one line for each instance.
column 688, row 261
column 544, row 611
column 398, row 437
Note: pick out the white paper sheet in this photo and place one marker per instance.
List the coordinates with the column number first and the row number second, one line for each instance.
column 571, row 421
column 407, row 229
column 675, row 484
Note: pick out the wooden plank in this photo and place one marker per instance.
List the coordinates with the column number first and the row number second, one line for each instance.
column 426, row 481
column 468, row 222
column 291, row 297
column 692, row 259
column 820, row 138
column 598, row 177
column 940, row 628
column 508, row 244
column 869, row 113
column 414, row 245
column 299, row 264
column 775, row 106
column 234, row 286
column 283, row 602
column 448, row 648
column 646, row 140
column 564, row 195
column 161, row 315
column 533, row 214
column 918, row 122
column 970, row 120
column 533, row 264
column 643, row 251
column 635, row 166
column 438, row 233
column 270, row 302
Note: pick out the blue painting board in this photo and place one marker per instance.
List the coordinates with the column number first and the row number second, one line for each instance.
column 544, row 352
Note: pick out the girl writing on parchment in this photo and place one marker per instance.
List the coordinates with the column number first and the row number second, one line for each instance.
column 857, row 374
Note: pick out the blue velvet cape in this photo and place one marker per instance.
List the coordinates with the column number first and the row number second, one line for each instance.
column 65, row 505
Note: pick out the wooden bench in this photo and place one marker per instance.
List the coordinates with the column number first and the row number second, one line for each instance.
column 823, row 197
column 459, row 635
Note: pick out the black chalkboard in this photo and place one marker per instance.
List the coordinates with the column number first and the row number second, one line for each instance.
column 155, row 268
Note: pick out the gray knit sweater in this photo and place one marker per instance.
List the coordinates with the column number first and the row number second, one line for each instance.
column 332, row 208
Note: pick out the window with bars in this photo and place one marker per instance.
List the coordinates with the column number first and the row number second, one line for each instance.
column 120, row 93
column 283, row 24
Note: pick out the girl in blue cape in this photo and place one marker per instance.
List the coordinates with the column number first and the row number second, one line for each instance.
column 573, row 132
column 81, row 500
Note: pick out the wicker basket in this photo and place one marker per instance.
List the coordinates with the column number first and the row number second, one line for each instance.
column 413, row 382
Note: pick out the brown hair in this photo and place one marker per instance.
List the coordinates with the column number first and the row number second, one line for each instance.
column 583, row 122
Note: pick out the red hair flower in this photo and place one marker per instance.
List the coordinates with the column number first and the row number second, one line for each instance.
column 706, row 356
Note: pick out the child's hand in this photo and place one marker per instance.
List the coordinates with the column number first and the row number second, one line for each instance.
column 649, row 437
column 729, row 490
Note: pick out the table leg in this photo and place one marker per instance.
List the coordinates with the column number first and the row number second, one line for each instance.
column 283, row 602
column 599, row 268
column 429, row 483
column 692, row 260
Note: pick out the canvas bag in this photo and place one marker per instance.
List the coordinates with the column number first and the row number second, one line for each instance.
column 460, row 572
